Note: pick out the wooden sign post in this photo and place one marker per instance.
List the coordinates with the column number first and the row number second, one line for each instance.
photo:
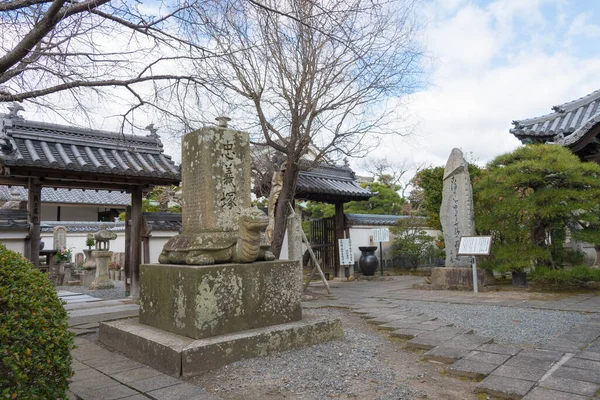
column 474, row 246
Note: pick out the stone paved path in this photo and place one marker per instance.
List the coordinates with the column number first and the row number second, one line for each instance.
column 568, row 367
column 100, row 374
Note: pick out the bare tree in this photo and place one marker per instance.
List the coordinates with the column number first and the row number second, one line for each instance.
column 394, row 174
column 52, row 47
column 303, row 73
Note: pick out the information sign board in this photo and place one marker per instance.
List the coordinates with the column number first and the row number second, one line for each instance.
column 346, row 254
column 381, row 235
column 474, row 245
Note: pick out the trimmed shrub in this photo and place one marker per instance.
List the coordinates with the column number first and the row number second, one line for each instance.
column 35, row 344
column 576, row 276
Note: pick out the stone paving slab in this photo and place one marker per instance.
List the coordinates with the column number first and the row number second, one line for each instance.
column 583, row 364
column 404, row 323
column 388, row 318
column 527, row 374
column 488, row 358
column 446, row 355
column 506, row 388
column 471, row 369
column 106, row 393
column 589, row 355
column 406, row 333
column 540, row 354
column 469, row 341
column 182, row 391
column 540, row 393
column 578, row 374
column 428, row 340
column 498, row 349
column 528, row 362
column 570, row 385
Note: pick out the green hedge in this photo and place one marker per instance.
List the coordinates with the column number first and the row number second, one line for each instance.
column 574, row 276
column 35, row 344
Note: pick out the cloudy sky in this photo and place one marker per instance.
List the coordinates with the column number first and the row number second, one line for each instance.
column 494, row 62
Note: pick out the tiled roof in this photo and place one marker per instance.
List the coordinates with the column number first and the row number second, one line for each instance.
column 59, row 147
column 164, row 221
column 566, row 125
column 373, row 219
column 73, row 196
column 330, row 180
column 13, row 219
column 83, row 226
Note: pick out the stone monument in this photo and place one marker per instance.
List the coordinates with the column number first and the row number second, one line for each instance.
column 219, row 224
column 57, row 271
column 217, row 295
column 456, row 213
column 457, row 219
column 102, row 255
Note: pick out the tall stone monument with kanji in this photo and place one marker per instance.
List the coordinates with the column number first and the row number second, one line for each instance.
column 457, row 219
column 456, row 214
column 217, row 295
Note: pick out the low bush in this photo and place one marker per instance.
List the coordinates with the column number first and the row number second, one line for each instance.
column 35, row 344
column 576, row 276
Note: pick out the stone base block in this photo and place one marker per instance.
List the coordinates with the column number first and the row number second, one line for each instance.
column 182, row 356
column 200, row 301
column 447, row 278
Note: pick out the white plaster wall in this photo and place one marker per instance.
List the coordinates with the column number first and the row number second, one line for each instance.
column 77, row 241
column 157, row 242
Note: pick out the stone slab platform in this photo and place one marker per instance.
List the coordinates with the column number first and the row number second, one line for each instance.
column 178, row 355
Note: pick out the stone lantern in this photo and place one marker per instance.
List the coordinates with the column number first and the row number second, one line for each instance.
column 102, row 255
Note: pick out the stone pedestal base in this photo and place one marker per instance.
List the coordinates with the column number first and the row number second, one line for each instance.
column 102, row 281
column 448, row 278
column 178, row 355
column 200, row 301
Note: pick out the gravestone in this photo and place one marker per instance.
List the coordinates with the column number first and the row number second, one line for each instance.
column 59, row 235
column 456, row 213
column 217, row 295
column 57, row 271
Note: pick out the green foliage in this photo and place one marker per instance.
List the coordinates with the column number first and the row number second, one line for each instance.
column 530, row 200
column 35, row 343
column 386, row 202
column 573, row 276
column 316, row 210
column 89, row 240
column 429, row 185
column 64, row 254
column 412, row 242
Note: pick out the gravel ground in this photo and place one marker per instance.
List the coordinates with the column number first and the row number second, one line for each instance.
column 118, row 292
column 347, row 368
column 508, row 325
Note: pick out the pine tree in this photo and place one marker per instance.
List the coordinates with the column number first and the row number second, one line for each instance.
column 530, row 200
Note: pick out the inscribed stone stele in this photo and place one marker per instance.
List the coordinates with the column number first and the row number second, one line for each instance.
column 456, row 213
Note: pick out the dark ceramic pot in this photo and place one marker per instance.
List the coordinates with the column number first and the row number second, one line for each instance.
column 368, row 261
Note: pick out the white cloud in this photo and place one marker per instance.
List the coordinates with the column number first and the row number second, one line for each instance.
column 487, row 76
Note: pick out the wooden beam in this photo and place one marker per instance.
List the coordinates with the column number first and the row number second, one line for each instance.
column 135, row 241
column 89, row 177
column 34, row 208
column 339, row 234
column 127, row 251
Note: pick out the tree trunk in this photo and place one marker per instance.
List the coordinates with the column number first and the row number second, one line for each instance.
column 290, row 178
